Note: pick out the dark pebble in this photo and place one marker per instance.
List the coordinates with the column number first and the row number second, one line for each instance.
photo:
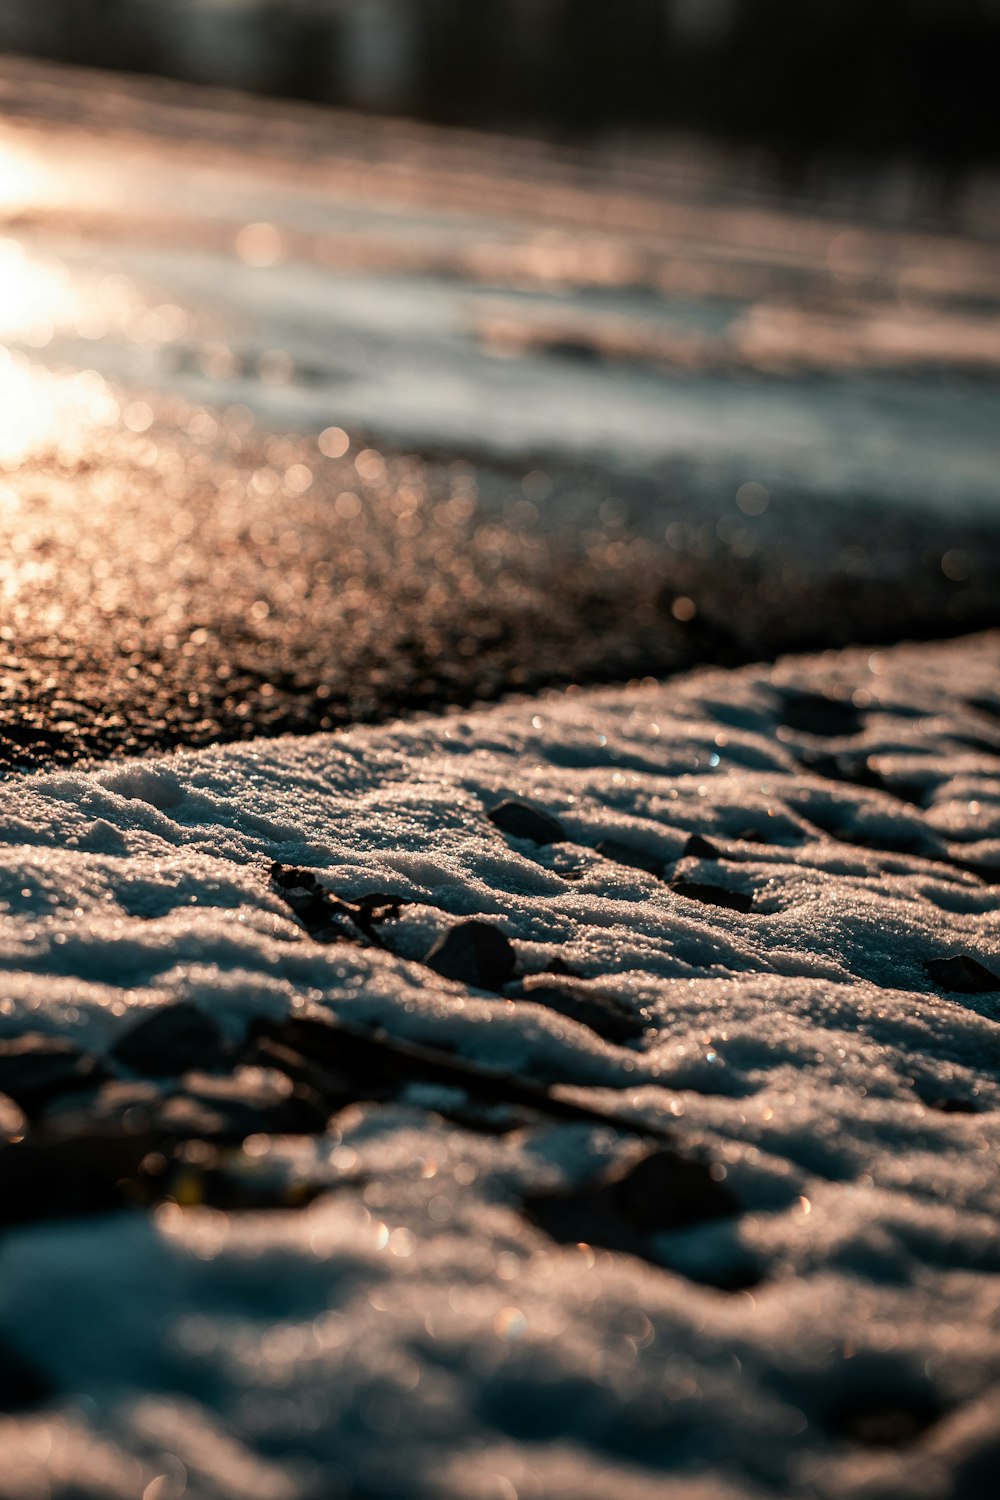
column 663, row 1191
column 835, row 718
column 700, row 848
column 520, row 821
column 560, row 966
column 629, row 855
column 36, row 1069
column 474, row 953
column 668, row 1191
column 581, row 1001
column 712, row 895
column 962, row 975
column 170, row 1041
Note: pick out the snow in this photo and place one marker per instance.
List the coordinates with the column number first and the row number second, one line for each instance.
column 411, row 1332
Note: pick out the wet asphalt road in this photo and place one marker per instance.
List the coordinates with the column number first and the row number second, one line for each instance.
column 206, row 537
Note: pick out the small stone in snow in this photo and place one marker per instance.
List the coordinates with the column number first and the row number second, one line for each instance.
column 663, row 1191
column 474, row 953
column 170, row 1041
column 700, row 848
column 712, row 895
column 560, row 966
column 523, row 822
column 592, row 1006
column 815, row 713
column 668, row 1191
column 962, row 975
column 629, row 855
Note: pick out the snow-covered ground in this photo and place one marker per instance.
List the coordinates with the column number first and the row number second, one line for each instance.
column 674, row 1175
column 442, row 1319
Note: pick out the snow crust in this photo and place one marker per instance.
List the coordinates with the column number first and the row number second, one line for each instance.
column 411, row 1333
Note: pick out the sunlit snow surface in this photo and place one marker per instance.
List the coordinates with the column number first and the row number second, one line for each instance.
column 410, row 1333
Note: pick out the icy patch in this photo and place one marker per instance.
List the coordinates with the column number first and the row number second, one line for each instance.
column 415, row 1331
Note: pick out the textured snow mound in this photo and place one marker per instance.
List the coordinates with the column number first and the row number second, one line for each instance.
column 771, row 905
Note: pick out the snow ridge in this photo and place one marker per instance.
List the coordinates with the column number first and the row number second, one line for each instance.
column 766, row 925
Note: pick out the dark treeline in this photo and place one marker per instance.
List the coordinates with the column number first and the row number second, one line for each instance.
column 855, row 76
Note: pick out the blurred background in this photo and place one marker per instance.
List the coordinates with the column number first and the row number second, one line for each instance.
column 904, row 77
column 401, row 353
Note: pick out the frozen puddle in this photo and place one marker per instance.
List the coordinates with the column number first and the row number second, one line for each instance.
column 765, row 927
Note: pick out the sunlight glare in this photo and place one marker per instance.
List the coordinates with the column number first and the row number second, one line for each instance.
column 25, row 179
column 34, row 298
column 41, row 411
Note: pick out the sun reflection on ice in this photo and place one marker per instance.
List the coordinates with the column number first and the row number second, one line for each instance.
column 35, row 297
column 43, row 300
column 41, row 412
column 26, row 180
